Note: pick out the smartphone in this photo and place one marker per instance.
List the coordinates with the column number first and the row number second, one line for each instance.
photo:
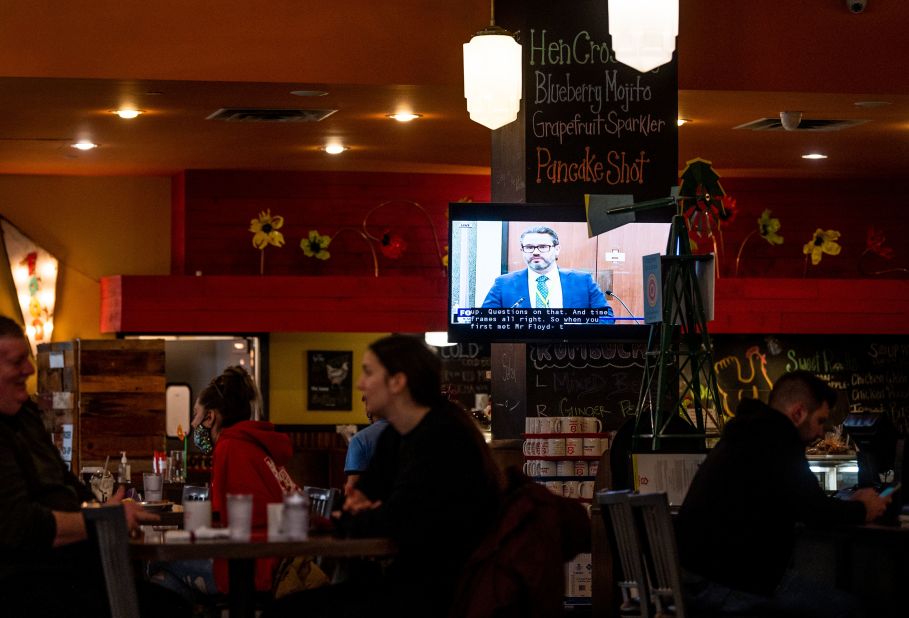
column 890, row 490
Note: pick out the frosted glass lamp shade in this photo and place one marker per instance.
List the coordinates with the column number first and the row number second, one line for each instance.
column 643, row 31
column 492, row 79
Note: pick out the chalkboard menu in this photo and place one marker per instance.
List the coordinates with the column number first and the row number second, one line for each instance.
column 465, row 371
column 591, row 123
column 871, row 372
column 570, row 379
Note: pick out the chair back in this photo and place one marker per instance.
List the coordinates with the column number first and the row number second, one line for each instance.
column 322, row 501
column 625, row 542
column 106, row 526
column 660, row 551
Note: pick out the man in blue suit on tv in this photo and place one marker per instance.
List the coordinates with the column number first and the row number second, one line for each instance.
column 542, row 285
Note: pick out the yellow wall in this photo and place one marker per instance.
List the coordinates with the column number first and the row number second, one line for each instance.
column 95, row 226
column 287, row 376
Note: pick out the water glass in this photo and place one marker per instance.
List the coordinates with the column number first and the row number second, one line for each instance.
column 153, row 486
column 239, row 516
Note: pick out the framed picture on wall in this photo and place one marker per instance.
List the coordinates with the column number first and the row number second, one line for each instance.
column 329, row 380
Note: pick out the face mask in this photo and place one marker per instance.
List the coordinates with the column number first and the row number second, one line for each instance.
column 202, row 439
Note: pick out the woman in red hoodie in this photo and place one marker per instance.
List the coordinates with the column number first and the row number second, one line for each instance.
column 249, row 458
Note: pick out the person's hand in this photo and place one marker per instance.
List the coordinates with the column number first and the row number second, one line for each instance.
column 357, row 501
column 135, row 514
column 874, row 504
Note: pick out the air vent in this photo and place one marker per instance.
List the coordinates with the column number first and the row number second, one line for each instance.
column 807, row 124
column 254, row 114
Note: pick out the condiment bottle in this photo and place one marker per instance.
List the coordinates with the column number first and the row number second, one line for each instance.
column 295, row 520
column 123, row 471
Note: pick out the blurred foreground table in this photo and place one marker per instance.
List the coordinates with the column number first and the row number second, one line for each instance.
column 241, row 558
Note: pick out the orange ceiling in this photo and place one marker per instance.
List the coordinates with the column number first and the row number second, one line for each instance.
column 63, row 66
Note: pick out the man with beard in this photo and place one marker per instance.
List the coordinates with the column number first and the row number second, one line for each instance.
column 542, row 285
column 737, row 526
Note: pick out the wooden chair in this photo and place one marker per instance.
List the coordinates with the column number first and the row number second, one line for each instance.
column 625, row 543
column 661, row 554
column 106, row 526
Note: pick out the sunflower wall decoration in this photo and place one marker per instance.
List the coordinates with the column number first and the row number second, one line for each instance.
column 265, row 232
column 822, row 241
column 767, row 228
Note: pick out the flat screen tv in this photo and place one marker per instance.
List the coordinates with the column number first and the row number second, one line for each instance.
column 497, row 251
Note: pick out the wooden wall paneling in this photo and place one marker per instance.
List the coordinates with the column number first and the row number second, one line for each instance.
column 113, row 395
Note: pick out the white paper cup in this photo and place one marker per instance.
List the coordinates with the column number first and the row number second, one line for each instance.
column 531, row 425
column 196, row 514
column 548, row 424
column 547, row 468
column 554, row 486
column 275, row 512
column 152, row 486
column 570, row 489
column 592, row 425
column 554, row 446
column 565, row 468
column 239, row 516
column 585, row 489
column 591, row 447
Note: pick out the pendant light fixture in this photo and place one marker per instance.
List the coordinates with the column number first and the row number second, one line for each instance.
column 643, row 31
column 492, row 75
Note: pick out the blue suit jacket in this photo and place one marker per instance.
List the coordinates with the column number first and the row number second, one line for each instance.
column 579, row 291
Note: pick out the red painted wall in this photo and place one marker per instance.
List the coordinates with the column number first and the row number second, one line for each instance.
column 849, row 206
column 219, row 205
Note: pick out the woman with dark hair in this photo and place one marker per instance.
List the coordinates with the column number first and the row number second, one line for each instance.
column 248, row 458
column 432, row 485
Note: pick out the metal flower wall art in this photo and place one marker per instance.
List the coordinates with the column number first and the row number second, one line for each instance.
column 823, row 241
column 391, row 244
column 705, row 206
column 767, row 228
column 875, row 249
column 316, row 245
column 265, row 232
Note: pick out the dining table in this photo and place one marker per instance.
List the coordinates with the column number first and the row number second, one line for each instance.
column 241, row 557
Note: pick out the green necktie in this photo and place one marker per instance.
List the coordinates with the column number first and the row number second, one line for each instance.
column 542, row 292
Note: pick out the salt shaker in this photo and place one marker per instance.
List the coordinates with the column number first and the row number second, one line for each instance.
column 296, row 516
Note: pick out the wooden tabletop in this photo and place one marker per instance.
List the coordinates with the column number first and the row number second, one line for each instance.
column 316, row 546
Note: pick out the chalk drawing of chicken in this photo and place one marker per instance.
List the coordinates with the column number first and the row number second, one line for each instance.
column 739, row 381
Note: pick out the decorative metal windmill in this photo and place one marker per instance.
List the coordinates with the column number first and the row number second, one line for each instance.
column 678, row 403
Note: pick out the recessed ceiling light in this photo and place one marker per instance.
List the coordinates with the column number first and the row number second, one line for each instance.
column 84, row 144
column 871, row 104
column 404, row 116
column 334, row 149
column 308, row 93
column 128, row 113
column 682, row 121
column 814, row 155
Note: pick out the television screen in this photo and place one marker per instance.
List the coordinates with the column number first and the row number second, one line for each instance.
column 521, row 272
